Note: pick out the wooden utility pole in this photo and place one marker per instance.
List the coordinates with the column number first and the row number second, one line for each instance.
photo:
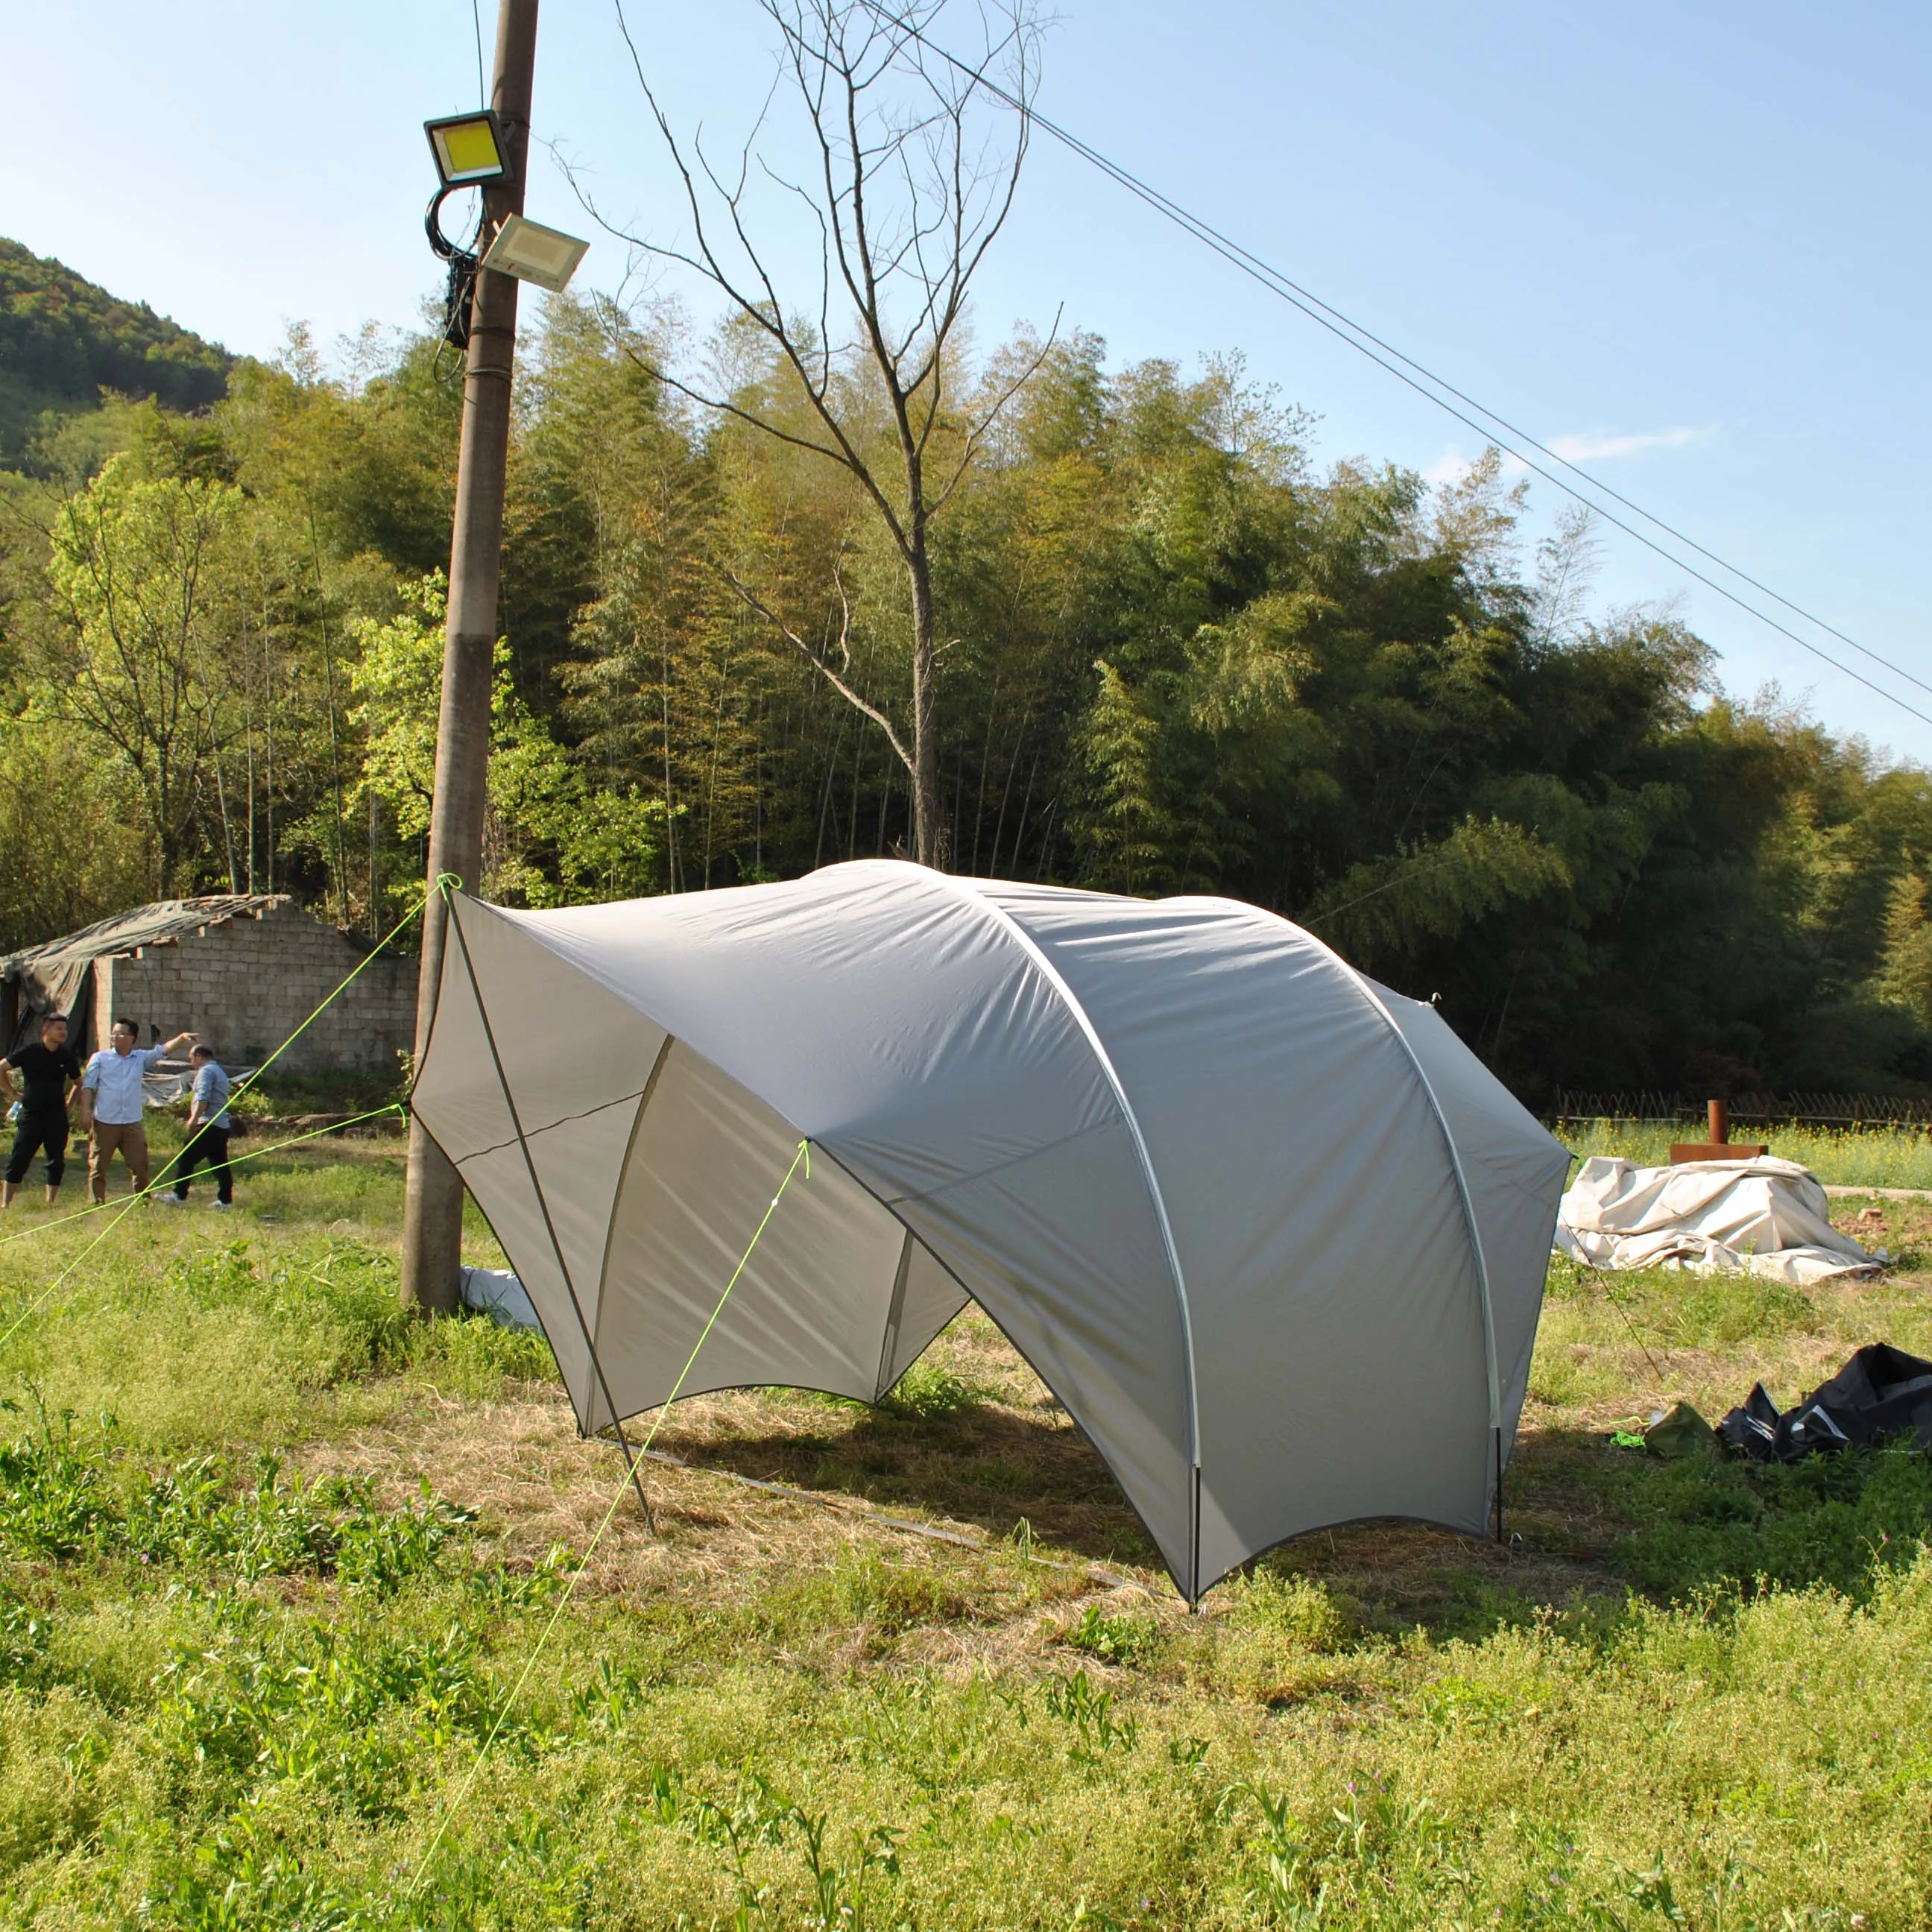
column 433, row 1207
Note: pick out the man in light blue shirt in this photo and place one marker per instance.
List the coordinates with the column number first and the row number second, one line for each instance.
column 111, row 1100
column 208, row 1125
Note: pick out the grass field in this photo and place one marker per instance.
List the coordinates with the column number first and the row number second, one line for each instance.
column 1839, row 1157
column 272, row 1562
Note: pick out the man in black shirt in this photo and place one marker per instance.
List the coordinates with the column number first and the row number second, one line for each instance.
column 50, row 1074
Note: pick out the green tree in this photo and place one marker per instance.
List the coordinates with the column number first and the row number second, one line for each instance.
column 551, row 837
column 134, row 659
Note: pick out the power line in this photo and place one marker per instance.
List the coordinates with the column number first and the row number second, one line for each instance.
column 1426, row 383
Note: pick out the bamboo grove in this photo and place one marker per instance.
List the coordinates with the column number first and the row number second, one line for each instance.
column 1175, row 654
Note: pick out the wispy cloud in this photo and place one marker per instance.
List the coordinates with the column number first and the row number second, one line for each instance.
column 1453, row 466
column 1589, row 449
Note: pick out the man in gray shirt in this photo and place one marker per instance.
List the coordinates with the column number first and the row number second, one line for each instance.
column 111, row 1100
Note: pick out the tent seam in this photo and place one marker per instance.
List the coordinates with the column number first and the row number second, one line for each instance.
column 550, row 1127
column 974, row 1176
column 650, row 1087
column 967, row 889
column 1360, row 982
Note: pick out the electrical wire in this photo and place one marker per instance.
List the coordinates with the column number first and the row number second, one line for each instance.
column 1426, row 383
column 482, row 85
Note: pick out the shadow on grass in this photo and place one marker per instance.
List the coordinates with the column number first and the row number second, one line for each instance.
column 973, row 1462
column 1584, row 1520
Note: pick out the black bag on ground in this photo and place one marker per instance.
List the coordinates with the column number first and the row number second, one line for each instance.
column 1881, row 1392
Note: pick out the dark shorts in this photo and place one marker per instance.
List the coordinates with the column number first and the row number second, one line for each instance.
column 35, row 1132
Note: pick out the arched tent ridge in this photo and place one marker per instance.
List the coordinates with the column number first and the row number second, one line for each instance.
column 1271, row 1234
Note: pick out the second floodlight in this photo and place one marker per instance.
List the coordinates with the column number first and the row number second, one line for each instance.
column 532, row 252
column 469, row 149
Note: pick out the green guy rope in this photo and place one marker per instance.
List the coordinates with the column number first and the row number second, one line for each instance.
column 804, row 1156
column 414, row 913
column 133, row 1200
column 445, row 882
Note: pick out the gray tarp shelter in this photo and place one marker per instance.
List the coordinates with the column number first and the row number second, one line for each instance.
column 1272, row 1234
column 59, row 976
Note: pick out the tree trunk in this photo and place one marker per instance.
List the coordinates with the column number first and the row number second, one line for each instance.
column 928, row 831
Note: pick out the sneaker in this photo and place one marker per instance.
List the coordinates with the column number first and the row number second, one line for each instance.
column 221, row 1206
column 169, row 1200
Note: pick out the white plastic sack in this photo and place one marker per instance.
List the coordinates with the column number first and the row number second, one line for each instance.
column 1768, row 1216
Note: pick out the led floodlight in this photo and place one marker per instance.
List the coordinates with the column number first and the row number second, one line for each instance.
column 469, row 149
column 532, row 252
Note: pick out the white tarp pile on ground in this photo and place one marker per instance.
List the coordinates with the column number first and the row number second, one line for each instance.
column 1768, row 1216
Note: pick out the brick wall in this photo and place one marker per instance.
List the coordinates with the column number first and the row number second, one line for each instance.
column 245, row 985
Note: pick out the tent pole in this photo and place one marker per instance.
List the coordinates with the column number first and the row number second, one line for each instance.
column 556, row 1247
column 1499, row 1482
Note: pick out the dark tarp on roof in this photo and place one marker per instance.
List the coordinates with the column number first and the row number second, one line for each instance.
column 57, row 977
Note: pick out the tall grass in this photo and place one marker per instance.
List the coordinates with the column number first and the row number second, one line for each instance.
column 1848, row 1157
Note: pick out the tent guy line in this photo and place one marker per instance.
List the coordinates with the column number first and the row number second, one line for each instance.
column 803, row 1156
column 1495, row 428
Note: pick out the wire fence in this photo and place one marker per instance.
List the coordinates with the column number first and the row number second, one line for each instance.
column 1798, row 1108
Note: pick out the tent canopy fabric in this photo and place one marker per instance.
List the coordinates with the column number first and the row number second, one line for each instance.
column 1272, row 1235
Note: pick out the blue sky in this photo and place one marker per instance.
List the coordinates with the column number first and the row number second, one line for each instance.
column 1687, row 240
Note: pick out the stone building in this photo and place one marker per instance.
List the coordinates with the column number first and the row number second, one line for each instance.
column 244, row 970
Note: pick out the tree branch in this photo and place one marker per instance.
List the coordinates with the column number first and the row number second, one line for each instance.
column 818, row 663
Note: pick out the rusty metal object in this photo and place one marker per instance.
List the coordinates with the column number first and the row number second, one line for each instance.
column 1719, row 1146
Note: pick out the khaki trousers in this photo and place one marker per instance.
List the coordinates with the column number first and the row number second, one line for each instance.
column 129, row 1138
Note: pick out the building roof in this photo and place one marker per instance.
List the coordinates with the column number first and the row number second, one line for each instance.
column 156, row 925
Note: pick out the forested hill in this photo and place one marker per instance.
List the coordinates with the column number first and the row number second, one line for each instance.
column 63, row 340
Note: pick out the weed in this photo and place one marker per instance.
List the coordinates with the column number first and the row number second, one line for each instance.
column 63, row 1498
column 1074, row 1702
column 475, row 1357
column 887, row 1596
column 1295, row 1610
column 1719, row 1310
column 1119, row 1639
column 54, row 1499
column 1707, row 1523
column 928, row 1389
column 23, row 1639
column 341, row 1711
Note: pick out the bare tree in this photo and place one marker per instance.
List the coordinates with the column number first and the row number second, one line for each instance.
column 915, row 160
